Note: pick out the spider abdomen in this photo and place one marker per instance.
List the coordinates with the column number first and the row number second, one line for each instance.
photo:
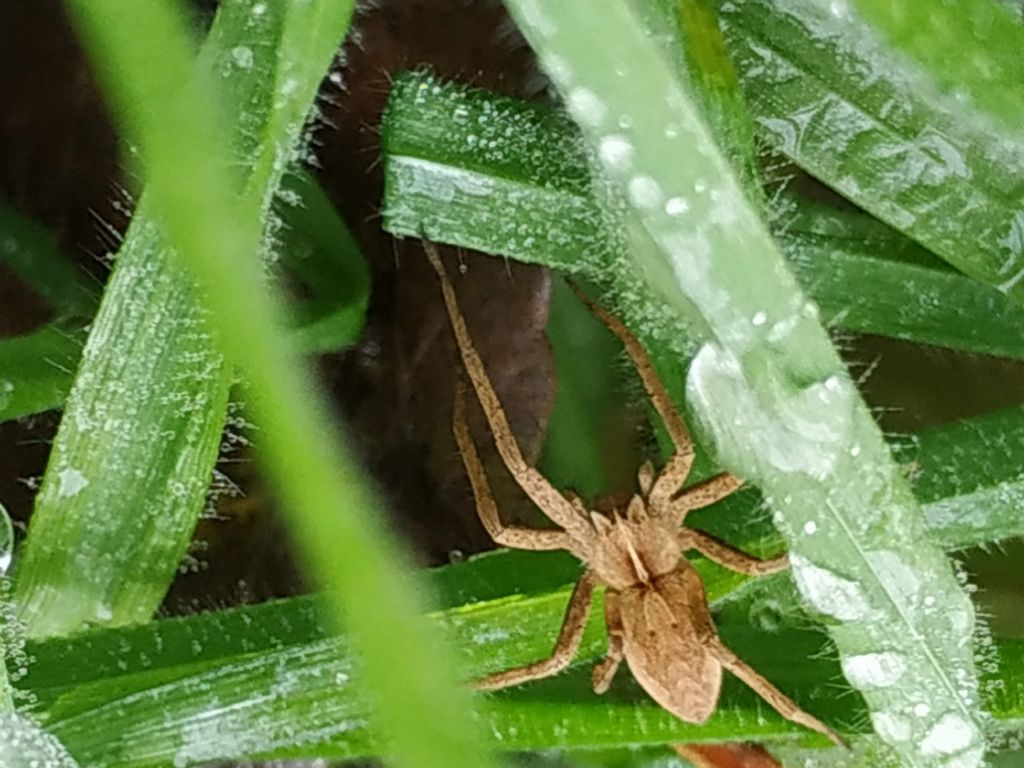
column 665, row 626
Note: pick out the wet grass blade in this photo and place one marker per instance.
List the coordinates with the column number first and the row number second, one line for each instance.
column 206, row 686
column 767, row 386
column 472, row 169
column 987, row 74
column 132, row 461
column 31, row 253
column 330, row 508
column 37, row 370
column 828, row 92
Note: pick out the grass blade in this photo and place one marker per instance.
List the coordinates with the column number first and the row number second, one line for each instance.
column 38, row 369
column 987, row 72
column 486, row 180
column 313, row 242
column 830, row 95
column 318, row 247
column 767, row 385
column 216, row 673
column 130, row 467
column 33, row 255
column 331, row 510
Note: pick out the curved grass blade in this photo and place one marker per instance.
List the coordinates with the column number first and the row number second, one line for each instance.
column 37, row 370
column 317, row 246
column 846, row 108
column 273, row 671
column 331, row 511
column 131, row 464
column 32, row 254
column 313, row 242
column 487, row 180
column 767, row 385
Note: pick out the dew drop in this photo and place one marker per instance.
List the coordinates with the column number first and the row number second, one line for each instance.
column 921, row 709
column 810, row 527
column 6, row 541
column 644, row 192
column 890, row 727
column 71, row 481
column 615, row 152
column 676, row 206
column 952, row 733
column 760, row 318
column 874, row 670
column 242, row 56
column 828, row 592
column 585, row 107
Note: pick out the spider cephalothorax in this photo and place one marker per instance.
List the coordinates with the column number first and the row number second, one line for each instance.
column 656, row 609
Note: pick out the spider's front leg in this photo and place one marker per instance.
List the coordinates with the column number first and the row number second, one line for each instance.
column 486, row 508
column 550, row 501
column 678, row 465
column 566, row 646
column 703, row 494
column 728, row 556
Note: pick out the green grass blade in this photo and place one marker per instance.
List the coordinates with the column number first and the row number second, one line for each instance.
column 38, row 369
column 35, row 257
column 313, row 242
column 207, row 675
column 578, row 452
column 968, row 478
column 835, row 99
column 26, row 745
column 469, row 168
column 767, row 385
column 331, row 511
column 130, row 467
column 317, row 246
column 987, row 71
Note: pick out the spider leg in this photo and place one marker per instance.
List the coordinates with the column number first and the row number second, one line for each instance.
column 566, row 645
column 541, row 492
column 779, row 701
column 486, row 509
column 703, row 494
column 605, row 670
column 728, row 556
column 678, row 465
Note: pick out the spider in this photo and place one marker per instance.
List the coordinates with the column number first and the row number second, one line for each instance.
column 656, row 609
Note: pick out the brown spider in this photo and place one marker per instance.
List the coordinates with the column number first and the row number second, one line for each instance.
column 656, row 609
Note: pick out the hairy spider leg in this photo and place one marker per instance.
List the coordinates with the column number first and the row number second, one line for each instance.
column 486, row 508
column 566, row 646
column 541, row 492
column 678, row 465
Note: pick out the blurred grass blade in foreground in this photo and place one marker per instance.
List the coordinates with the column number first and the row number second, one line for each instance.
column 214, row 233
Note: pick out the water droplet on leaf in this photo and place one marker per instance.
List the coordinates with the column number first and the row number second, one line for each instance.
column 6, row 541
